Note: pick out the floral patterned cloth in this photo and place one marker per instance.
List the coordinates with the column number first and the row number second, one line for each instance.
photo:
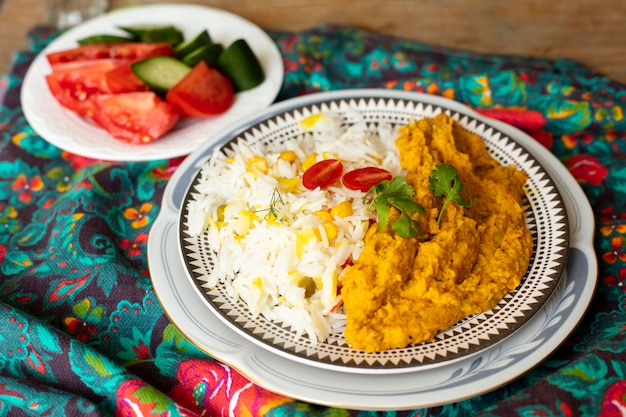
column 82, row 333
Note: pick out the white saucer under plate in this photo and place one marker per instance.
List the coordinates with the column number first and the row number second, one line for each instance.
column 449, row 382
column 77, row 135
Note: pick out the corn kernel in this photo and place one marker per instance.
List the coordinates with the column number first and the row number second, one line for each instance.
column 251, row 214
column 258, row 282
column 289, row 156
column 303, row 238
column 310, row 121
column 289, row 185
column 245, row 222
column 324, row 215
column 343, row 209
column 331, row 231
column 258, row 163
column 309, row 162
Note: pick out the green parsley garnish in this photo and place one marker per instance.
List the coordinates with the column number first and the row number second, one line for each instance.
column 444, row 180
column 395, row 193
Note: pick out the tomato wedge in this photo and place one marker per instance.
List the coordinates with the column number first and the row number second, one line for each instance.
column 124, row 50
column 73, row 83
column 362, row 179
column 203, row 92
column 124, row 80
column 136, row 118
column 322, row 174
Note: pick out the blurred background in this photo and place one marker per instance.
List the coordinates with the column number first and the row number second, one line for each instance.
column 592, row 32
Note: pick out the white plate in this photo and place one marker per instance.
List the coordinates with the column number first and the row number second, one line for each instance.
column 544, row 213
column 70, row 132
column 451, row 382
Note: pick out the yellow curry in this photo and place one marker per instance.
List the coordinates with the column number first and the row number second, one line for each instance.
column 403, row 291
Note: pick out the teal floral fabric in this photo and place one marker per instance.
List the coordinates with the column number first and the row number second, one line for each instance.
column 82, row 332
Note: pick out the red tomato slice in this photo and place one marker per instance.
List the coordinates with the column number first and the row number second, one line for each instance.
column 203, row 92
column 138, row 50
column 124, row 80
column 137, row 118
column 124, row 50
column 322, row 174
column 82, row 65
column 72, row 83
column 81, row 53
column 362, row 179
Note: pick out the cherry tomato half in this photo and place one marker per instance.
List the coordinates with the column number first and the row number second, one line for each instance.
column 322, row 174
column 362, row 179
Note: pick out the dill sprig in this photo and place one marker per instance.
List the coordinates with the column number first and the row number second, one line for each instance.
column 272, row 211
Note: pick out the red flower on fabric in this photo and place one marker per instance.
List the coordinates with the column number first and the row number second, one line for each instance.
column 607, row 213
column 613, row 281
column 614, row 402
column 84, row 184
column 134, row 247
column 80, row 329
column 79, row 324
column 519, row 117
column 136, row 398
column 142, row 351
column 209, row 387
column 617, row 253
column 543, row 137
column 587, row 169
column 26, row 187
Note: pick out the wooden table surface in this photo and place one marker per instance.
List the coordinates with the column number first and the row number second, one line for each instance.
column 590, row 31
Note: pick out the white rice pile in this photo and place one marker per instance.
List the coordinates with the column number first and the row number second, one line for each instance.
column 271, row 237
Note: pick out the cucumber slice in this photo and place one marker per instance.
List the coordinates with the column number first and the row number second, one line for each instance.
column 160, row 72
column 153, row 34
column 239, row 63
column 185, row 48
column 207, row 53
column 90, row 40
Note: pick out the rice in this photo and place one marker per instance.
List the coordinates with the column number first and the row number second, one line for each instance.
column 275, row 248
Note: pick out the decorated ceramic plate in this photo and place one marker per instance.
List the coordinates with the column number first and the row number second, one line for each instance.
column 454, row 381
column 75, row 134
column 544, row 211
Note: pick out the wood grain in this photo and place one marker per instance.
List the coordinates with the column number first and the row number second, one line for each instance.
column 589, row 31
